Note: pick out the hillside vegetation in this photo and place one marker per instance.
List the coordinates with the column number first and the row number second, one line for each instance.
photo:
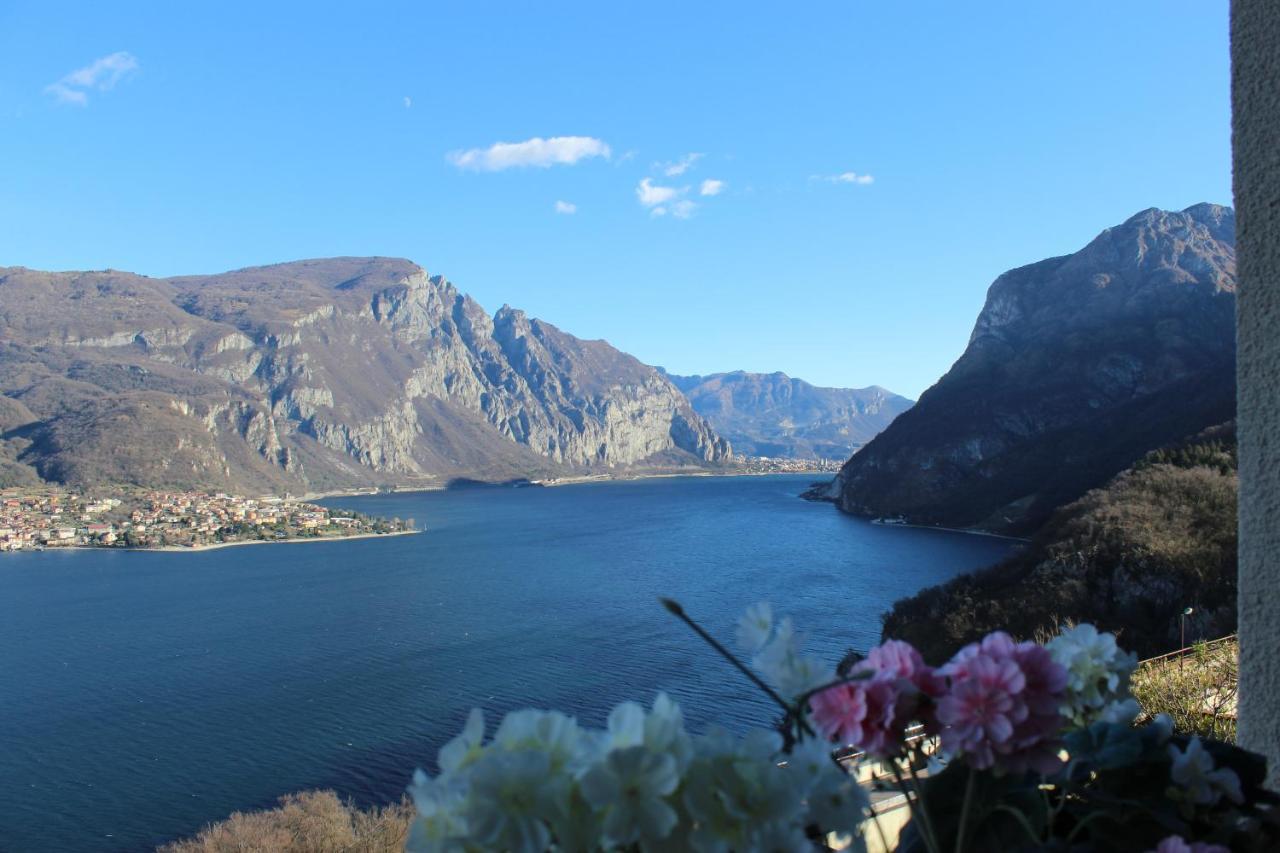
column 305, row 823
column 1128, row 557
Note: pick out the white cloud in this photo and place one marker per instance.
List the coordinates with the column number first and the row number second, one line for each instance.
column 543, row 153
column 566, row 207
column 846, row 178
column 408, row 102
column 651, row 194
column 662, row 201
column 711, row 187
column 679, row 167
column 101, row 74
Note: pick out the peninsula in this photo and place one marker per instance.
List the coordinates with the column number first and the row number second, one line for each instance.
column 152, row 520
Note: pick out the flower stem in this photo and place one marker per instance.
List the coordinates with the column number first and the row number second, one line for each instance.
column 847, row 679
column 916, row 805
column 678, row 611
column 875, row 819
column 962, row 835
column 1022, row 820
column 924, row 807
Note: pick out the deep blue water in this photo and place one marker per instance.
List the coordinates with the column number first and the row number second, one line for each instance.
column 145, row 694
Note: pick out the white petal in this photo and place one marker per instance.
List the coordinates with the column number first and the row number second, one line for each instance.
column 655, row 819
column 755, row 626
column 600, row 786
column 626, row 726
column 463, row 748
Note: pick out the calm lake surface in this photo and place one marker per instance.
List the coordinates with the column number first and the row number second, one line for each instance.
column 145, row 694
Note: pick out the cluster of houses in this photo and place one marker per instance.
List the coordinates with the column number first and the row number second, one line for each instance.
column 786, row 465
column 149, row 519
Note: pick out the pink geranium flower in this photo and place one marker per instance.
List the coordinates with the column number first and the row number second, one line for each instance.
column 864, row 713
column 1036, row 739
column 901, row 660
column 1002, row 706
column 980, row 711
column 874, row 712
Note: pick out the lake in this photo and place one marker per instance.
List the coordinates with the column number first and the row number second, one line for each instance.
column 145, row 694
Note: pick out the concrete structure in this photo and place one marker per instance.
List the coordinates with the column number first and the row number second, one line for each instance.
column 1255, row 108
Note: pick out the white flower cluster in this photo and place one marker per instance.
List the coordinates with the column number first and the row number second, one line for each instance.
column 1097, row 676
column 1193, row 771
column 776, row 648
column 545, row 783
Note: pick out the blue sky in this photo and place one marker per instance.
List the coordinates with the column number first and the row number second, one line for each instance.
column 878, row 164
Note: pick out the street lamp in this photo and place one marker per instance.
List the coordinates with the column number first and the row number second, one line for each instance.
column 1182, row 655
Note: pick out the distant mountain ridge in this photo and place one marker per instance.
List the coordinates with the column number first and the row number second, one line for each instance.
column 314, row 376
column 772, row 414
column 1077, row 366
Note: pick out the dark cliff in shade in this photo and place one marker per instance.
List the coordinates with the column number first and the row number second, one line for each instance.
column 1077, row 366
column 313, row 376
column 772, row 414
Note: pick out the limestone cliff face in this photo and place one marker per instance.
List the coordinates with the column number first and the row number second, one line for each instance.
column 1076, row 366
column 319, row 375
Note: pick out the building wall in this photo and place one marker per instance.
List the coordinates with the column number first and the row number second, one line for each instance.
column 1255, row 102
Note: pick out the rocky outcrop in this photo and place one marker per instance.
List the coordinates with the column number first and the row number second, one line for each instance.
column 1076, row 366
column 771, row 414
column 318, row 375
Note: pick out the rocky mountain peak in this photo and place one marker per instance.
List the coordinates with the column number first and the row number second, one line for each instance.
column 1077, row 365
column 313, row 375
column 1156, row 260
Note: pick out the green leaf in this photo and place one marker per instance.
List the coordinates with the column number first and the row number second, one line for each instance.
column 1105, row 746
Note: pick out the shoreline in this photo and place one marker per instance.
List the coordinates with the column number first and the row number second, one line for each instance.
column 196, row 549
column 969, row 530
column 573, row 480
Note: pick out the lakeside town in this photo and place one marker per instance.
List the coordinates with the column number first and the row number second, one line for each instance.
column 150, row 519
column 788, row 465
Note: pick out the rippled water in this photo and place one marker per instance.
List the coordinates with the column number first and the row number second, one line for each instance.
column 145, row 694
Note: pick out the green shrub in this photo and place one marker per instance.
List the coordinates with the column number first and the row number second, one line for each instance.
column 1197, row 690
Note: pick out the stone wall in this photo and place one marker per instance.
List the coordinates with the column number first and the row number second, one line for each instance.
column 1255, row 102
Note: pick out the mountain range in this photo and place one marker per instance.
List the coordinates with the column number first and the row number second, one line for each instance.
column 315, row 376
column 772, row 414
column 1077, row 366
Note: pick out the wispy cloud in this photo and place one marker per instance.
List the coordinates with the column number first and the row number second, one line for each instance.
column 566, row 207
column 661, row 200
column 680, row 166
column 711, row 187
column 543, row 153
column 408, row 102
column 845, row 178
column 683, row 209
column 100, row 75
column 651, row 194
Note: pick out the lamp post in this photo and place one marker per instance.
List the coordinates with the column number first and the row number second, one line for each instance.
column 1182, row 654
